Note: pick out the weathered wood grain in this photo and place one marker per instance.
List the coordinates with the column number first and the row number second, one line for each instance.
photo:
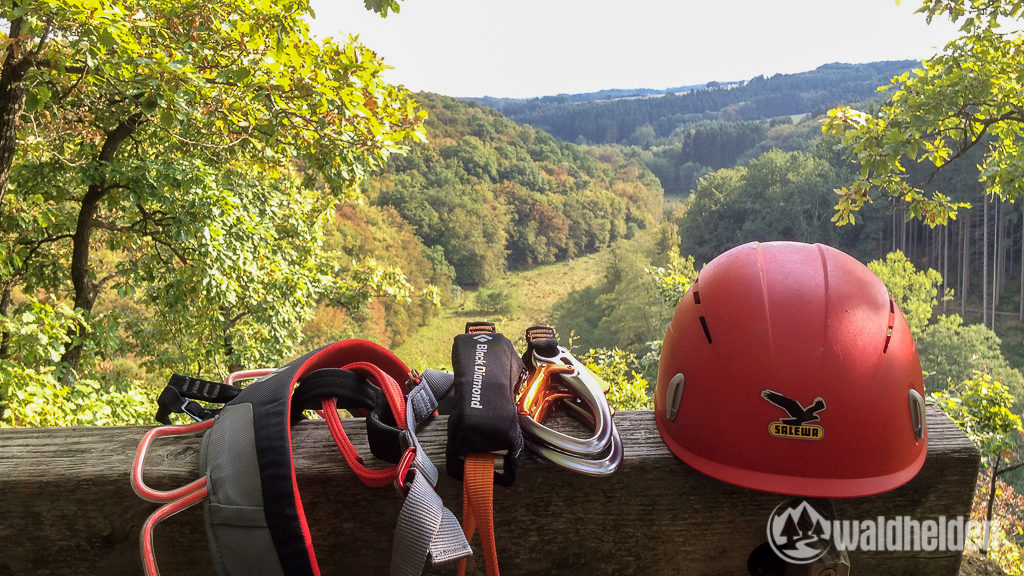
column 66, row 507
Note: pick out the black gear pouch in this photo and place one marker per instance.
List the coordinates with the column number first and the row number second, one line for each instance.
column 484, row 419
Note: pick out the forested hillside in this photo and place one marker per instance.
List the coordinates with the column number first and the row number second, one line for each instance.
column 486, row 193
column 624, row 121
column 480, row 196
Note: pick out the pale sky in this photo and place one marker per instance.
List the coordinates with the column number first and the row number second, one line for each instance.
column 524, row 48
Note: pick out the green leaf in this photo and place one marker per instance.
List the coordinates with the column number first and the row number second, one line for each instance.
column 42, row 94
column 167, row 118
column 241, row 74
column 107, row 39
column 149, row 104
column 31, row 102
column 18, row 12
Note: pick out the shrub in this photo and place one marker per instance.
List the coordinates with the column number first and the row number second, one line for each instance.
column 498, row 301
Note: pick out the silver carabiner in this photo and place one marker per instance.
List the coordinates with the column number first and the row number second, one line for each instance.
column 601, row 466
column 602, row 421
column 562, row 378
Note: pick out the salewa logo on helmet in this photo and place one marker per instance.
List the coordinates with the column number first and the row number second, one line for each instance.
column 483, row 338
column 798, row 533
column 796, row 425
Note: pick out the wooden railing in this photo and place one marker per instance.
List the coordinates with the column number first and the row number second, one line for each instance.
column 66, row 507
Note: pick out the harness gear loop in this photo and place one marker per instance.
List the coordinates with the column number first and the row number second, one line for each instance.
column 175, row 500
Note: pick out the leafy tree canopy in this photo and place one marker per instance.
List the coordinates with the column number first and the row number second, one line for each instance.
column 980, row 406
column 964, row 98
column 189, row 154
column 952, row 351
column 915, row 292
column 777, row 196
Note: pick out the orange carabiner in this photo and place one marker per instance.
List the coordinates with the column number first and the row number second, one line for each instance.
column 540, row 390
column 582, row 392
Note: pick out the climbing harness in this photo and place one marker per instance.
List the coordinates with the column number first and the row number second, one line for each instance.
column 559, row 380
column 254, row 516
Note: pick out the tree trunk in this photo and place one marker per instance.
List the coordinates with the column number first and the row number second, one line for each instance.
column 81, row 278
column 903, row 233
column 894, row 227
column 5, row 337
column 86, row 288
column 945, row 266
column 12, row 103
column 13, row 92
column 1004, row 253
column 964, row 225
column 984, row 263
column 995, row 262
column 989, row 507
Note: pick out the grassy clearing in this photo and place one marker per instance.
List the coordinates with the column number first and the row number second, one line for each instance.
column 538, row 290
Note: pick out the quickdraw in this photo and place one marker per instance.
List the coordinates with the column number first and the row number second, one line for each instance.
column 559, row 380
column 488, row 427
column 253, row 512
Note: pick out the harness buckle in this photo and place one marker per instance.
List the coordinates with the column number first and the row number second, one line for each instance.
column 404, row 469
column 194, row 410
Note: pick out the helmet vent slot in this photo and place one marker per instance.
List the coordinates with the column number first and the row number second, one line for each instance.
column 674, row 395
column 696, row 297
column 892, row 322
column 917, row 414
column 704, row 327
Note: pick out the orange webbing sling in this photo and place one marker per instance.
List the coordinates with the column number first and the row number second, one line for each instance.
column 478, row 508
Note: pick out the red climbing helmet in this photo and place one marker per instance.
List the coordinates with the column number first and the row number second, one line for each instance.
column 788, row 368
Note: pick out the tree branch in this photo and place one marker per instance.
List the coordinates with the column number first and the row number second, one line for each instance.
column 43, row 37
column 182, row 259
column 1009, row 468
column 35, row 247
column 103, row 281
column 73, row 87
column 136, row 226
column 966, row 144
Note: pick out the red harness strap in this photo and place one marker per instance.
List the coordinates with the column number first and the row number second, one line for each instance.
column 396, row 400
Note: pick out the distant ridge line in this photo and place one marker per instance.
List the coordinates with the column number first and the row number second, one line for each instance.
column 609, row 94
